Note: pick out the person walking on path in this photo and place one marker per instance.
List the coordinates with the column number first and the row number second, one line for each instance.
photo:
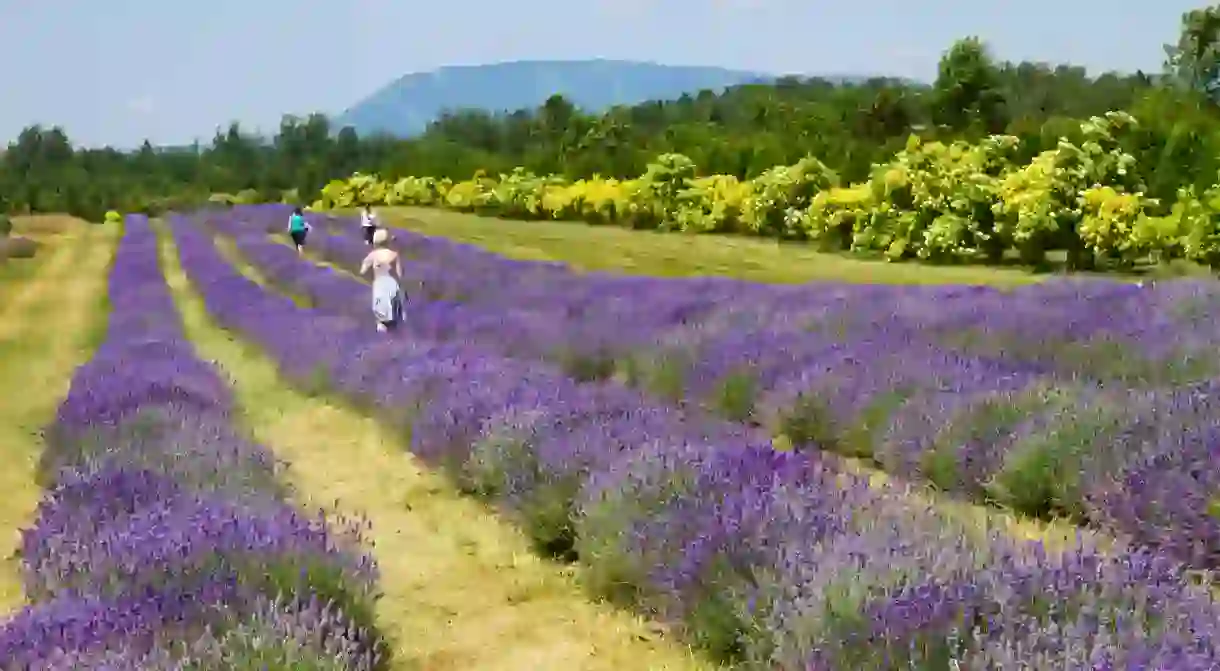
column 298, row 229
column 387, row 294
column 368, row 222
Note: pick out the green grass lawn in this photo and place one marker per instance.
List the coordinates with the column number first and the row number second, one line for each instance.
column 672, row 254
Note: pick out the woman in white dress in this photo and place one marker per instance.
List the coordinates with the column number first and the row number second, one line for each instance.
column 387, row 294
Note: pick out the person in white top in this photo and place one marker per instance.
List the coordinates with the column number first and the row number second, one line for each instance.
column 368, row 221
column 387, row 294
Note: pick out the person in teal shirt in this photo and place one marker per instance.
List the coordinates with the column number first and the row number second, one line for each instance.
column 298, row 229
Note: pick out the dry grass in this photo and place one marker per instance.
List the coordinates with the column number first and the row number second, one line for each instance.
column 672, row 254
column 462, row 589
column 45, row 333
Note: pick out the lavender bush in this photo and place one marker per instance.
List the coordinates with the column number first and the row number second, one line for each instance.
column 165, row 538
column 769, row 559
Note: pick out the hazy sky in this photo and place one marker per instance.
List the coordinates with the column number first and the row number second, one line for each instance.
column 117, row 71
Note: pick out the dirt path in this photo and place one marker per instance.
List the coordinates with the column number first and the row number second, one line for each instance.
column 462, row 589
column 45, row 333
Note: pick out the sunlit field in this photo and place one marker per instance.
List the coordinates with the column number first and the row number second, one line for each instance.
column 593, row 448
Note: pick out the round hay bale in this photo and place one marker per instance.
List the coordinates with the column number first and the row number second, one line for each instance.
column 18, row 248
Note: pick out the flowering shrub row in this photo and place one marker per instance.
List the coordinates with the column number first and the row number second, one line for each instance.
column 945, row 203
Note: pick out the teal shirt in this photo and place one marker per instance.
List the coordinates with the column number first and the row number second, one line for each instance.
column 296, row 224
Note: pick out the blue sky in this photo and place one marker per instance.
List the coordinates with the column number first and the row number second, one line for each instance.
column 118, row 71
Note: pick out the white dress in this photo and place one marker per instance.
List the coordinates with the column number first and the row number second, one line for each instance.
column 387, row 295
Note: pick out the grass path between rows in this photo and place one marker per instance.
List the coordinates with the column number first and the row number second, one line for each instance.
column 462, row 589
column 48, row 326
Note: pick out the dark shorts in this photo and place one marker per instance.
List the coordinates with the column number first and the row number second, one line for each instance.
column 298, row 237
column 368, row 233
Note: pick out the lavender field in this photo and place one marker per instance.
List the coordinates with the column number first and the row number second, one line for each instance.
column 701, row 449
column 1090, row 400
column 633, row 424
column 165, row 539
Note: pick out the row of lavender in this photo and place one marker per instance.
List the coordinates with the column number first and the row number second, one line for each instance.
column 767, row 557
column 1141, row 460
column 165, row 539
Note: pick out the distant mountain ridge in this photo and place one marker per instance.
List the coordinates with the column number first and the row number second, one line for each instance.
column 406, row 106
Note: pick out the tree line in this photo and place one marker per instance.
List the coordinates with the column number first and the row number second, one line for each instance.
column 743, row 131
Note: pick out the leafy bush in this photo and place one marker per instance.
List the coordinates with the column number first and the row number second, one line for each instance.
column 777, row 196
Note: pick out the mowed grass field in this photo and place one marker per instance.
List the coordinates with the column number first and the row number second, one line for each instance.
column 608, row 248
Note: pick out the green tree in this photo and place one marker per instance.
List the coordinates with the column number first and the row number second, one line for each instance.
column 1195, row 60
column 967, row 90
